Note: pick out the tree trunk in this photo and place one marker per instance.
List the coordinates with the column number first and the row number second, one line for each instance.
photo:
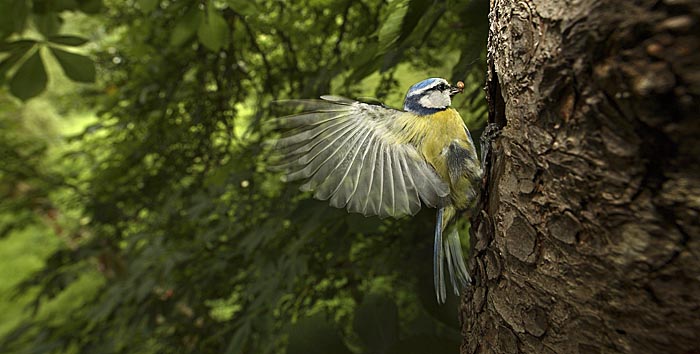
column 587, row 239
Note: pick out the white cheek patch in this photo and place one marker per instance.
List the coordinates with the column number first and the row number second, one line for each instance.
column 435, row 99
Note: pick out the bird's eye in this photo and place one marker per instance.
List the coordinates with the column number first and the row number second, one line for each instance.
column 442, row 87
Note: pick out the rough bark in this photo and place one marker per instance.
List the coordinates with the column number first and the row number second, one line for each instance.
column 587, row 241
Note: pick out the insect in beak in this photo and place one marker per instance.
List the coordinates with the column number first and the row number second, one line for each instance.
column 458, row 88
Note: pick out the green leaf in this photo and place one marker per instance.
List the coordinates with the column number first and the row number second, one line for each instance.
column 417, row 10
column 16, row 45
column 72, row 41
column 47, row 23
column 377, row 323
column 244, row 7
column 213, row 31
column 148, row 5
column 30, row 79
column 16, row 53
column 14, row 17
column 77, row 67
column 186, row 27
column 390, row 31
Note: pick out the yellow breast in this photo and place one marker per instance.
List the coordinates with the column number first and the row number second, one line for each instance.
column 440, row 130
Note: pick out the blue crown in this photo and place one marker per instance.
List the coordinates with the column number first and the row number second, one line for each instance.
column 423, row 84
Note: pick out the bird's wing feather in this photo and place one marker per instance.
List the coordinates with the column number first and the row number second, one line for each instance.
column 357, row 155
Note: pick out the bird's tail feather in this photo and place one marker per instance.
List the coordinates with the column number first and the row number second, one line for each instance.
column 448, row 250
column 438, row 263
column 457, row 260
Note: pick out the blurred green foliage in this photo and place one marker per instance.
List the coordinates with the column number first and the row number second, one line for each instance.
column 31, row 29
column 174, row 236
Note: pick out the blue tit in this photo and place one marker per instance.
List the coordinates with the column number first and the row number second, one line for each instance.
column 376, row 160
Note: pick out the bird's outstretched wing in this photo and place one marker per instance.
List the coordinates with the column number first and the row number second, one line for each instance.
column 358, row 155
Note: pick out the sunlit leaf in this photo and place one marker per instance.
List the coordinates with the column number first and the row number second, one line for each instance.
column 77, row 67
column 213, row 31
column 30, row 79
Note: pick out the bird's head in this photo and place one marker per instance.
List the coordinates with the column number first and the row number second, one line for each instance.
column 430, row 96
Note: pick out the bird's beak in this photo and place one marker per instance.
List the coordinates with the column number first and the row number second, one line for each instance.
column 458, row 88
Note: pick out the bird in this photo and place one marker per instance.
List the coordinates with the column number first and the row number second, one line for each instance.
column 376, row 160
